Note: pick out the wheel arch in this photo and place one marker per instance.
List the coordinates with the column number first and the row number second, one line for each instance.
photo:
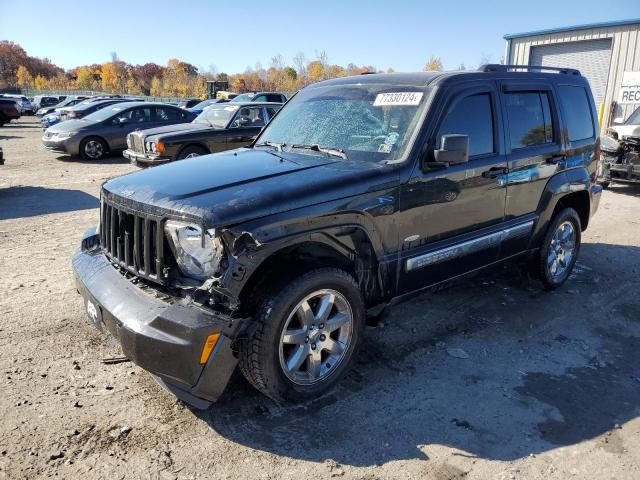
column 347, row 248
column 192, row 144
column 569, row 188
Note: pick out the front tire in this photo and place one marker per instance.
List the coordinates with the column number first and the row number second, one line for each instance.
column 560, row 247
column 306, row 337
column 93, row 148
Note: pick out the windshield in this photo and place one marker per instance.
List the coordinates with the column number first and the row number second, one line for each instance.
column 634, row 118
column 218, row 116
column 204, row 103
column 372, row 122
column 245, row 97
column 105, row 113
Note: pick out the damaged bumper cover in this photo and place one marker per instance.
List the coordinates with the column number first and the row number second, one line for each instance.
column 166, row 339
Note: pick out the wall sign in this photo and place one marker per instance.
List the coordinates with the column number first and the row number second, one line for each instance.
column 630, row 88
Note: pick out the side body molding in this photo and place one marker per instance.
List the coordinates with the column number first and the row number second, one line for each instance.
column 468, row 247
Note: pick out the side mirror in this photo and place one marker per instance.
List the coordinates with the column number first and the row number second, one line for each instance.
column 123, row 120
column 454, row 150
column 618, row 121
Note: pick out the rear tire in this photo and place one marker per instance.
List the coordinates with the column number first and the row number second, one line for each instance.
column 191, row 152
column 93, row 148
column 559, row 250
column 296, row 353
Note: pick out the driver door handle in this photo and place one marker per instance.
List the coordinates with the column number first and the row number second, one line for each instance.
column 495, row 172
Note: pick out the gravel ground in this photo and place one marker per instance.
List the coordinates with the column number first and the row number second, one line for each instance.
column 550, row 387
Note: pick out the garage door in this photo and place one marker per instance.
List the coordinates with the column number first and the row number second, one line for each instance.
column 591, row 57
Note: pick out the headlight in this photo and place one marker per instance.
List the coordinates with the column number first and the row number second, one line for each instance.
column 197, row 253
column 150, row 146
column 62, row 135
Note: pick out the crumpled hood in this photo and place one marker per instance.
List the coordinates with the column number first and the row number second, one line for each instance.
column 243, row 184
column 177, row 128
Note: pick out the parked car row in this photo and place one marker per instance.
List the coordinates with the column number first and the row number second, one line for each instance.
column 219, row 127
column 152, row 133
column 94, row 135
column 26, row 108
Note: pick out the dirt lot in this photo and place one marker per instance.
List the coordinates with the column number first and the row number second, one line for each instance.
column 550, row 388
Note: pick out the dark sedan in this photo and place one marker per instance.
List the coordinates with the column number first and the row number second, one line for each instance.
column 106, row 130
column 90, row 105
column 219, row 127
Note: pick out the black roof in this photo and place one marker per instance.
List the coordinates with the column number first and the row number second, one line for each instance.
column 422, row 79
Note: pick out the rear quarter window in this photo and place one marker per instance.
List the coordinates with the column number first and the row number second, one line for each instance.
column 577, row 112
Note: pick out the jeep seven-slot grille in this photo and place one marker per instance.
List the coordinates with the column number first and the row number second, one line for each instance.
column 133, row 241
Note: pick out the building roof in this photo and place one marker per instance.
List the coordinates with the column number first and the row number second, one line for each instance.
column 613, row 23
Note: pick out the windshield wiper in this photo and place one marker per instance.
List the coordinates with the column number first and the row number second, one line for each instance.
column 277, row 146
column 337, row 152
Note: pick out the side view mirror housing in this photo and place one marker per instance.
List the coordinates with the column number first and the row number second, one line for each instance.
column 454, row 150
column 618, row 121
column 123, row 120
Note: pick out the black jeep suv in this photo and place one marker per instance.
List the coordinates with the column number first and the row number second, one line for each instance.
column 361, row 192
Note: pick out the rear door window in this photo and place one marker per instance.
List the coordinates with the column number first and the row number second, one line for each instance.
column 472, row 116
column 577, row 112
column 529, row 117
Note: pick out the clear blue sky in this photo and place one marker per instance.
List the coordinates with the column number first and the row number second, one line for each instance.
column 235, row 35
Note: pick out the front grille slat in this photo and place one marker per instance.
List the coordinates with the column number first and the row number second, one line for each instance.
column 137, row 262
column 133, row 241
column 147, row 246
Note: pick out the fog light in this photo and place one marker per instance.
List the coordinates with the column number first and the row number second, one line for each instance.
column 209, row 345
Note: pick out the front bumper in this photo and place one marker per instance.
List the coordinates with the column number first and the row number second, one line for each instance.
column 138, row 158
column 627, row 172
column 69, row 145
column 163, row 338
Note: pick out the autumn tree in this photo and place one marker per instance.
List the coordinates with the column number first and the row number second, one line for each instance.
column 24, row 79
column 315, row 71
column 434, row 64
column 40, row 83
column 156, row 87
column 86, row 79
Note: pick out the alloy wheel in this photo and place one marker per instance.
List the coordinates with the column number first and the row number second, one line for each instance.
column 93, row 149
column 315, row 337
column 561, row 250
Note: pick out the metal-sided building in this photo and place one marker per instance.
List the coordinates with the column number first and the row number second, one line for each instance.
column 607, row 53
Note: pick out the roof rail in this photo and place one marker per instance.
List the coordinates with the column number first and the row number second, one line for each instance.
column 495, row 67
